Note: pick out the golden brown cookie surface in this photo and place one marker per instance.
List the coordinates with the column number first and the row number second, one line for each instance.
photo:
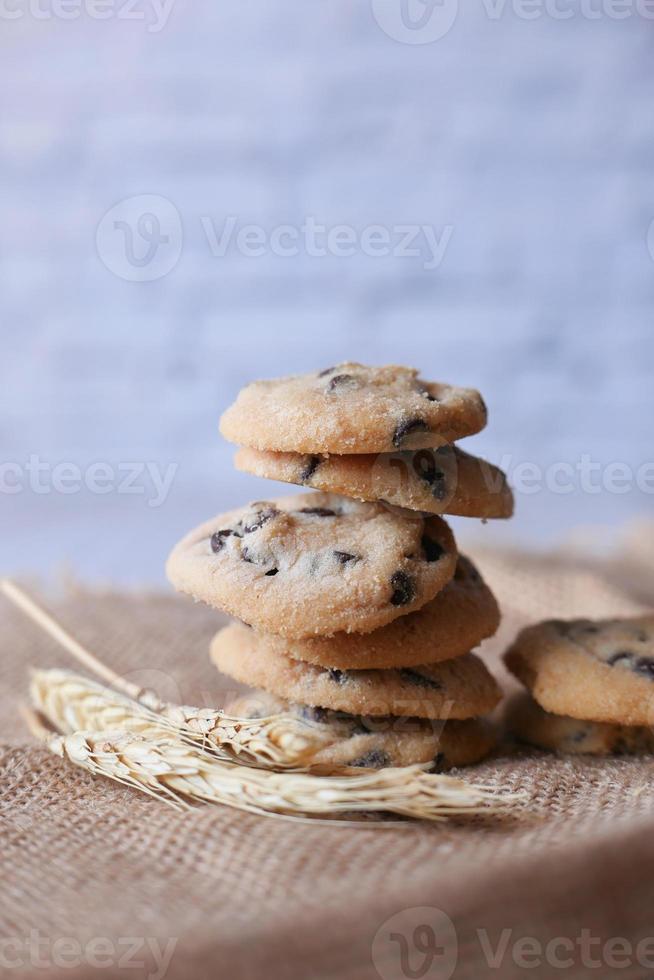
column 462, row 614
column 600, row 670
column 453, row 689
column 443, row 480
column 352, row 408
column 560, row 733
column 315, row 564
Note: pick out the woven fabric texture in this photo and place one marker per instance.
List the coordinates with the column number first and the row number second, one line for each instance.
column 229, row 894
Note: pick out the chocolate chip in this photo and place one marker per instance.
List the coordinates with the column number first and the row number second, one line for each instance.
column 218, row 539
column 432, row 549
column 406, row 428
column 340, row 381
column 375, row 759
column 260, row 518
column 639, row 665
column 313, row 714
column 619, row 657
column 419, row 680
column 404, row 589
column 338, row 676
column 309, row 468
column 327, row 371
column 344, row 557
column 424, row 391
column 425, row 467
column 318, row 511
column 439, row 763
column 252, row 558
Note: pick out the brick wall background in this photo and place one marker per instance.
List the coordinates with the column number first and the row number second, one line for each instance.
column 530, row 139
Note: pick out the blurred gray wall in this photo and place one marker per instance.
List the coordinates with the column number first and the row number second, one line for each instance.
column 129, row 144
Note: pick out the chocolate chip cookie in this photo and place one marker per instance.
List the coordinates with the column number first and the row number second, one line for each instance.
column 560, row 733
column 463, row 614
column 373, row 743
column 443, row 480
column 599, row 670
column 315, row 564
column 460, row 688
column 351, row 408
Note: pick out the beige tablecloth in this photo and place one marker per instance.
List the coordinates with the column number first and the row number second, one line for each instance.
column 93, row 873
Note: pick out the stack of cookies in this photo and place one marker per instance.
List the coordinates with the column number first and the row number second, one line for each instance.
column 590, row 684
column 353, row 608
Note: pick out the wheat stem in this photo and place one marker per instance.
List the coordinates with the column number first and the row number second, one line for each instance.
column 82, row 654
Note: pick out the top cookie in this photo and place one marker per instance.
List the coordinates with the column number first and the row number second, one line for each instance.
column 599, row 670
column 352, row 408
column 315, row 564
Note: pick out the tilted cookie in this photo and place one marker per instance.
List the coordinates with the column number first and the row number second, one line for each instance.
column 460, row 688
column 352, row 408
column 463, row 614
column 315, row 564
column 443, row 480
column 560, row 733
column 599, row 670
column 374, row 743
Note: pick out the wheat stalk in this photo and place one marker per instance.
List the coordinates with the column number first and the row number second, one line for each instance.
column 280, row 741
column 72, row 702
column 82, row 654
column 175, row 772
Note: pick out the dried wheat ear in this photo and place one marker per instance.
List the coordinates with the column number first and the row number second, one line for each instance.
column 178, row 773
column 72, row 702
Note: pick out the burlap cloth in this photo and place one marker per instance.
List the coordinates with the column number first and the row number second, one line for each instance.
column 246, row 896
